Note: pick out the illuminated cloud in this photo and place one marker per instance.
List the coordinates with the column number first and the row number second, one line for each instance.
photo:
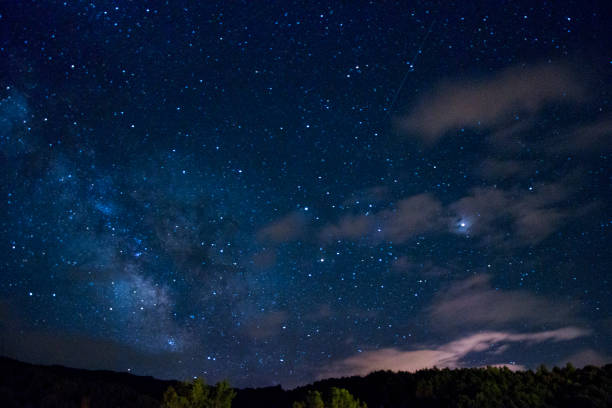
column 448, row 355
column 507, row 218
column 289, row 228
column 352, row 227
column 411, row 216
column 584, row 139
column 474, row 303
column 407, row 218
column 492, row 101
column 530, row 216
column 501, row 170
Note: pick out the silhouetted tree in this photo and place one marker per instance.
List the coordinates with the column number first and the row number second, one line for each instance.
column 341, row 398
column 198, row 395
column 313, row 400
column 337, row 398
column 222, row 395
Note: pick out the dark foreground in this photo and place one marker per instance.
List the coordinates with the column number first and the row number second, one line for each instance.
column 26, row 385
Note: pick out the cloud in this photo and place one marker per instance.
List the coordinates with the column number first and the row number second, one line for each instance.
column 531, row 216
column 350, row 227
column 474, row 303
column 390, row 359
column 507, row 218
column 409, row 217
column 289, row 228
column 495, row 169
column 492, row 101
column 449, row 355
column 584, row 139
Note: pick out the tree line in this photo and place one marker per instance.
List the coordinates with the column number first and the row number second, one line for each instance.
column 26, row 385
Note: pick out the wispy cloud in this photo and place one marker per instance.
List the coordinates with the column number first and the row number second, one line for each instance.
column 411, row 216
column 288, row 228
column 504, row 217
column 449, row 355
column 492, row 101
column 583, row 139
column 352, row 227
column 406, row 219
column 475, row 304
column 500, row 170
column 530, row 216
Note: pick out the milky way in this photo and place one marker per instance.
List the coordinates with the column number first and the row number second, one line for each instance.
column 276, row 193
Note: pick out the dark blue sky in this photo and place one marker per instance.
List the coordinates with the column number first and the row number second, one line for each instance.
column 275, row 192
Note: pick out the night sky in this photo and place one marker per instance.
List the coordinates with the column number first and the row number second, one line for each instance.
column 277, row 192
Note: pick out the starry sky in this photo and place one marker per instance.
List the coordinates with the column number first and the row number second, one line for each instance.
column 278, row 192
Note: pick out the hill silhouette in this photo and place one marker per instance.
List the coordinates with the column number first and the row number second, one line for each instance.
column 28, row 385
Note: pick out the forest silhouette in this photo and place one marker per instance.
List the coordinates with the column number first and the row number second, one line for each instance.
column 27, row 385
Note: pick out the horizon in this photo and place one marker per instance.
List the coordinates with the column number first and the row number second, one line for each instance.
column 511, row 368
column 271, row 193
